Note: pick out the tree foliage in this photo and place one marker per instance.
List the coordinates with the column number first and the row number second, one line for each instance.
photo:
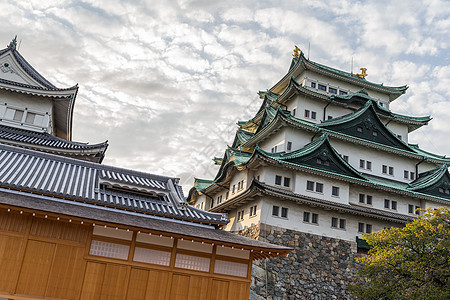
column 412, row 262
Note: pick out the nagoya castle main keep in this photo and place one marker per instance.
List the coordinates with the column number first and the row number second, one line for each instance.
column 323, row 161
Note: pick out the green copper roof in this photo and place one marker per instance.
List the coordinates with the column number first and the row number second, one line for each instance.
column 365, row 124
column 242, row 136
column 427, row 154
column 319, row 155
column 434, row 182
column 232, row 157
column 202, row 184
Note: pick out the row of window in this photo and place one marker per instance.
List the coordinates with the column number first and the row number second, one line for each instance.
column 288, row 147
column 276, row 211
column 385, row 169
column 240, row 214
column 285, row 180
column 24, row 116
column 318, row 187
column 331, row 90
column 389, row 204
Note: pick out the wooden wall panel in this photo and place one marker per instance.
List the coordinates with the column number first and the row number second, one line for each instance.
column 220, row 289
column 137, row 285
column 66, row 275
column 198, row 288
column 93, row 281
column 180, row 287
column 156, row 285
column 114, row 282
column 59, row 230
column 10, row 258
column 36, row 267
column 238, row 290
column 13, row 222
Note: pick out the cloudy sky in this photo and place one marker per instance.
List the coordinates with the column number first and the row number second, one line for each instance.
column 166, row 81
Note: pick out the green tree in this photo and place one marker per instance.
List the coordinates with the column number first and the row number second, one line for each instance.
column 412, row 262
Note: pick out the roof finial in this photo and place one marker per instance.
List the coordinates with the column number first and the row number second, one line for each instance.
column 13, row 43
column 363, row 73
column 297, row 52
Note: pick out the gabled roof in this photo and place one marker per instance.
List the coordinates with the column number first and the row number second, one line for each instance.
column 242, row 136
column 434, row 182
column 19, row 76
column 365, row 124
column 319, row 155
column 301, row 63
column 49, row 143
column 94, row 184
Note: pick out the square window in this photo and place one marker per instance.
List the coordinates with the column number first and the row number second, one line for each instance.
column 345, row 157
column 368, row 165
column 342, row 93
column 410, row 209
column 313, row 84
column 384, row 169
column 334, row 222
column 315, row 218
column 360, row 227
column 284, row 212
column 310, row 185
column 306, row 113
column 332, row 90
column 289, row 146
column 319, row 187
column 306, row 216
column 313, row 115
column 335, row 191
column 394, row 205
column 277, row 179
column 18, row 115
column 361, row 198
column 30, row 118
column 369, row 199
column 287, row 181
column 342, row 223
column 368, row 228
column 386, row 203
column 362, row 163
column 391, row 170
column 275, row 210
column 322, row 87
column 405, row 174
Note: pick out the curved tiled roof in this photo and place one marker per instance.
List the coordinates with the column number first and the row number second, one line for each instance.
column 43, row 139
column 73, row 179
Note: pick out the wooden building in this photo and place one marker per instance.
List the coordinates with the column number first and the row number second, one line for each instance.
column 72, row 228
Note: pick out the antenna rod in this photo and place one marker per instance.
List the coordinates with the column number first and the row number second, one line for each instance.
column 20, row 43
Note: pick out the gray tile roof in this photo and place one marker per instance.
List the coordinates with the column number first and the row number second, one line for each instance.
column 77, row 180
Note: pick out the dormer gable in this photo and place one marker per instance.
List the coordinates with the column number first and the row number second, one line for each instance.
column 435, row 182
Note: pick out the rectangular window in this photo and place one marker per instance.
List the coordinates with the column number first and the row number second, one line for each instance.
column 417, row 212
column 18, row 115
column 332, row 90
column 369, row 199
column 278, row 180
column 342, row 223
column 284, row 212
column 368, row 228
column 233, row 189
column 394, row 205
column 335, row 191
column 342, row 93
column 239, row 215
column 410, row 208
column 228, row 193
column 313, row 84
column 289, row 146
column 384, row 169
column 412, row 175
column 152, row 256
column 306, row 113
column 322, row 87
column 107, row 249
column 319, row 187
column 368, row 165
column 362, row 163
column 406, row 174
column 334, row 222
column 287, row 182
column 391, row 170
column 253, row 211
column 315, row 218
column 306, row 216
column 361, row 198
column 30, row 118
column 275, row 210
column 310, row 185
column 386, row 203
column 360, row 227
column 294, row 111
column 313, row 115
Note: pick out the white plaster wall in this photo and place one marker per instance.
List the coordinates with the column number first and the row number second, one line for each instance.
column 299, row 139
column 236, row 225
column 397, row 129
column 336, row 111
column 301, row 181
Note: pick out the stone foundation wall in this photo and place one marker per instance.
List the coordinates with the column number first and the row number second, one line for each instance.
column 317, row 268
